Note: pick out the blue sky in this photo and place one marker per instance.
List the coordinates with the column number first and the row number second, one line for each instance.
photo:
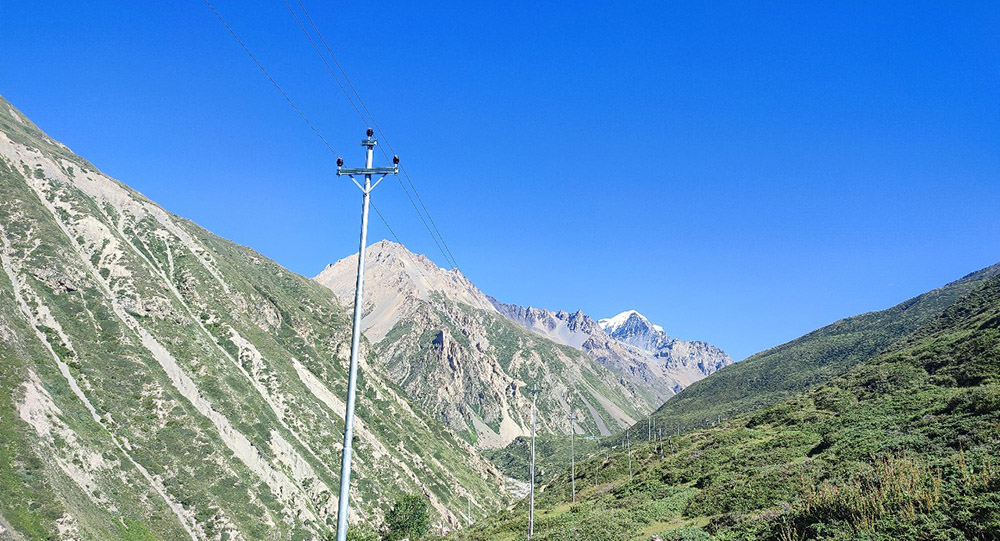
column 741, row 173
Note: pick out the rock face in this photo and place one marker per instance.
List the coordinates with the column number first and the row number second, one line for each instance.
column 156, row 378
column 445, row 343
column 690, row 361
column 628, row 344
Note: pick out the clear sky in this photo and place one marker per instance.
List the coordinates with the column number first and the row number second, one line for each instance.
column 740, row 172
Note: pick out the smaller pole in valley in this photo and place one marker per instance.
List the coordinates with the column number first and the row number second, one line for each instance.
column 572, row 454
column 533, row 391
column 628, row 445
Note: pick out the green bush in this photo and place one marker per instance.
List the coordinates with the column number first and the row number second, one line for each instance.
column 408, row 518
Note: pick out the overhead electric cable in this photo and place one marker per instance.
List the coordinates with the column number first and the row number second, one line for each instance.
column 384, row 222
column 269, row 78
column 415, row 192
column 292, row 104
column 323, row 58
column 442, row 245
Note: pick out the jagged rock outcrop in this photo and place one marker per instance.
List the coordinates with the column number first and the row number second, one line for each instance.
column 691, row 360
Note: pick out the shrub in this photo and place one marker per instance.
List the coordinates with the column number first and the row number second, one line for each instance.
column 408, row 518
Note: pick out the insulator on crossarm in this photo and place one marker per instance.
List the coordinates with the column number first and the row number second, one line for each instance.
column 395, row 160
column 340, row 162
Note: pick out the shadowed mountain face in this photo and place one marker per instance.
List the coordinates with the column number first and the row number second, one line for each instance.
column 446, row 344
column 157, row 381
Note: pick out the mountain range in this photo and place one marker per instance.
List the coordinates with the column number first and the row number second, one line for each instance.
column 464, row 356
column 158, row 381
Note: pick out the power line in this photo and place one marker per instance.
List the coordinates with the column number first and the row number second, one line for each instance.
column 269, row 78
column 432, row 227
column 415, row 192
column 323, row 58
column 385, row 223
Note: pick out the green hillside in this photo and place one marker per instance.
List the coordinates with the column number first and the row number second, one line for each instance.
column 780, row 372
column 902, row 446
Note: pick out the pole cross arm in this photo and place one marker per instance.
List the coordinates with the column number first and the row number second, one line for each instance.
column 341, row 171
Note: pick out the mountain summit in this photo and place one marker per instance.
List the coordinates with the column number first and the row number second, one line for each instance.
column 629, row 323
column 394, row 276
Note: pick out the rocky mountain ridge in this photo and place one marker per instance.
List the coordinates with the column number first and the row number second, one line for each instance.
column 628, row 344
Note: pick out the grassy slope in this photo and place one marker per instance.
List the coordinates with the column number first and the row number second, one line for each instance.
column 780, row 372
column 904, row 446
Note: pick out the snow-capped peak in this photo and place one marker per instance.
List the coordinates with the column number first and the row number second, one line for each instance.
column 612, row 324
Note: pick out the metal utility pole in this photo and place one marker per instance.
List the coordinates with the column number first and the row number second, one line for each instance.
column 572, row 454
column 352, row 380
column 628, row 444
column 531, row 471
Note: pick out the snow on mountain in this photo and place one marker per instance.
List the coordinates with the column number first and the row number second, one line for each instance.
column 628, row 343
column 611, row 324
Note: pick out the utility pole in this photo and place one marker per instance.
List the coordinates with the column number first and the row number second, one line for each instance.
column 534, row 390
column 597, row 469
column 352, row 380
column 628, row 444
column 572, row 454
column 661, row 443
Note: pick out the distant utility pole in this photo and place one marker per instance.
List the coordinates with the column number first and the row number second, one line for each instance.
column 661, row 443
column 597, row 469
column 534, row 390
column 649, row 428
column 572, row 454
column 352, row 381
column 628, row 444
